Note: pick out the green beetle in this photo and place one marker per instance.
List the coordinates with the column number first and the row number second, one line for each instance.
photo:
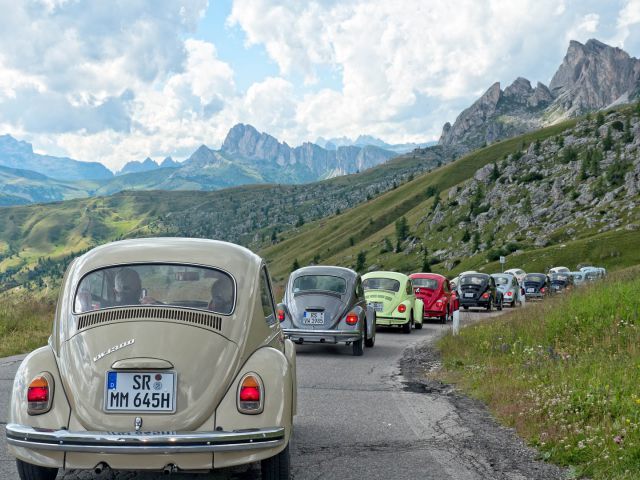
column 392, row 296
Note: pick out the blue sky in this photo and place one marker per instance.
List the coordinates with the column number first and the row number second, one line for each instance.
column 119, row 81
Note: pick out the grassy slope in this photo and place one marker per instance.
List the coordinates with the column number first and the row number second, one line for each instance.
column 24, row 325
column 564, row 373
column 368, row 224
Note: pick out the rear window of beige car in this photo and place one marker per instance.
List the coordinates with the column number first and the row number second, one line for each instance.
column 173, row 285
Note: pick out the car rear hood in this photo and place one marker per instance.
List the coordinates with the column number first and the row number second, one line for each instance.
column 332, row 306
column 205, row 363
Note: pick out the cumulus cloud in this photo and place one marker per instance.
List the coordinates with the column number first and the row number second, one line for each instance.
column 116, row 81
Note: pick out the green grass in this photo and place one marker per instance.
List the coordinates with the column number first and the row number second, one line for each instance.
column 565, row 374
column 24, row 325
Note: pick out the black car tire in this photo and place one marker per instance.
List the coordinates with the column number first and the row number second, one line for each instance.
column 406, row 328
column 370, row 342
column 27, row 471
column 277, row 467
column 357, row 347
column 490, row 305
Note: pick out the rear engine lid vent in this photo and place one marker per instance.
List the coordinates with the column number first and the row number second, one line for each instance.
column 203, row 319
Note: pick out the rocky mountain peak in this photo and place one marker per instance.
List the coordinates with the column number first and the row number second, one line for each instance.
column 169, row 162
column 520, row 89
column 593, row 76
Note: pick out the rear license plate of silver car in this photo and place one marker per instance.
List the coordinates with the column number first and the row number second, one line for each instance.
column 313, row 318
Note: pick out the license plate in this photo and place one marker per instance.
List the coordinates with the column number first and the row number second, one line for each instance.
column 531, row 290
column 468, row 295
column 313, row 318
column 377, row 306
column 140, row 392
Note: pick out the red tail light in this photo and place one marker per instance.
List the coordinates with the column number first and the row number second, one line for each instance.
column 251, row 395
column 40, row 395
column 509, row 294
column 402, row 308
column 352, row 319
column 485, row 295
column 542, row 290
column 281, row 315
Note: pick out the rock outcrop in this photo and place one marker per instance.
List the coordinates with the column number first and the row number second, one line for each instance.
column 592, row 76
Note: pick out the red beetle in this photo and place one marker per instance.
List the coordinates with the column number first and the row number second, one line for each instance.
column 440, row 301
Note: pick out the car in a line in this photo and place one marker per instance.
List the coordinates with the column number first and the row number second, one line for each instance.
column 578, row 278
column 518, row 273
column 166, row 355
column 558, row 270
column 508, row 285
column 325, row 304
column 392, row 297
column 536, row 286
column 561, row 282
column 437, row 296
column 479, row 290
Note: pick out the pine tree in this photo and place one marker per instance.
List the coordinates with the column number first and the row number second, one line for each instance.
column 295, row 265
column 495, row 173
column 300, row 221
column 466, row 236
column 361, row 261
column 426, row 268
column 607, row 143
column 402, row 229
column 600, row 119
column 627, row 137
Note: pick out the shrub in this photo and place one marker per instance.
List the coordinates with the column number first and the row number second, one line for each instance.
column 361, row 260
column 569, row 155
column 617, row 125
column 531, row 177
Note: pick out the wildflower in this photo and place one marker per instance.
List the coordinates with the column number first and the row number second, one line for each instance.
column 618, row 439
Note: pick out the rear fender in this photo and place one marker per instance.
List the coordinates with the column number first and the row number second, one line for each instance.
column 418, row 310
column 278, row 377
column 39, row 361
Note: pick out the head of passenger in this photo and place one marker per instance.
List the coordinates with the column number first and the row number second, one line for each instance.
column 127, row 287
column 221, row 296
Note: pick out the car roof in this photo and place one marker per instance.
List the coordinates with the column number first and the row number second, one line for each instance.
column 503, row 274
column 384, row 274
column 325, row 270
column 195, row 251
column 465, row 274
column 435, row 276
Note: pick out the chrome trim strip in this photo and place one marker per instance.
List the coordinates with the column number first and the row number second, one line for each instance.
column 143, row 442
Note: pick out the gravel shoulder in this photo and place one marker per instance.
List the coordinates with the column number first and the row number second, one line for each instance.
column 473, row 433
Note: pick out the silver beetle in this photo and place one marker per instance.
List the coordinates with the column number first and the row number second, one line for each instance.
column 324, row 304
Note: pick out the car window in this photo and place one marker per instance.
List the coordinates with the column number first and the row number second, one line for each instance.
column 266, row 297
column 532, row 277
column 502, row 280
column 173, row 285
column 429, row 283
column 473, row 280
column 374, row 283
column 327, row 283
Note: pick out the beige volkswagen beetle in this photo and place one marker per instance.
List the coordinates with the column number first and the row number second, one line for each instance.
column 166, row 355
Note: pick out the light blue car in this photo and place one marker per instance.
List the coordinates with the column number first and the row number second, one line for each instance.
column 510, row 288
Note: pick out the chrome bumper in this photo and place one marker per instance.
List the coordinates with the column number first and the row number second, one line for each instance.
column 143, row 442
column 322, row 336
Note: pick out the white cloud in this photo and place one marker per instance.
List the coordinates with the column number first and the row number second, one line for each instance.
column 78, row 79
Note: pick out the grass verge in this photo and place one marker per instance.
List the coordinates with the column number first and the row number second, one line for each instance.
column 24, row 325
column 565, row 374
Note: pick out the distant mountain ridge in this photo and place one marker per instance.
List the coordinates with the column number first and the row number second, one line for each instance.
column 591, row 77
column 19, row 154
column 368, row 140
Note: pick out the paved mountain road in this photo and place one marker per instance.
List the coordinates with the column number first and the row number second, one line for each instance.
column 359, row 418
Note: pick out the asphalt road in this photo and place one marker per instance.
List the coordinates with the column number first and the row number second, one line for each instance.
column 360, row 418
